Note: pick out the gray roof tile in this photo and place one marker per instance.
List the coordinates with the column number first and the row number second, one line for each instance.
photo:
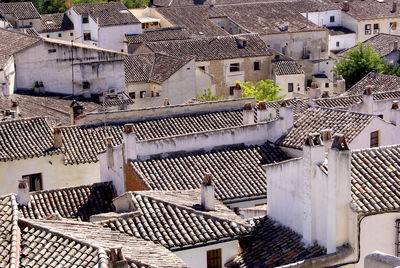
column 379, row 83
column 21, row 10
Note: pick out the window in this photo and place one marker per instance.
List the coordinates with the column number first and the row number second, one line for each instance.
column 85, row 18
column 309, row 83
column 256, row 65
column 376, row 28
column 214, row 258
column 326, row 85
column 48, row 36
column 86, row 85
column 234, row 67
column 290, row 87
column 71, row 34
column 306, row 54
column 332, row 19
column 203, row 68
column 86, row 36
column 30, row 23
column 142, row 94
column 34, row 182
column 59, row 35
column 132, row 95
column 374, row 140
column 337, row 44
column 53, row 50
column 231, row 90
column 393, row 25
column 380, row 116
column 367, row 28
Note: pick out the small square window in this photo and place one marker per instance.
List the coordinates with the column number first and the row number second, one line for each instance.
column 332, row 19
column 214, row 258
column 86, row 36
column 59, row 35
column 234, row 67
column 393, row 25
column 71, row 34
column 85, row 85
column 337, row 44
column 85, row 18
column 30, row 23
column 374, row 139
column 34, row 182
column 326, row 85
column 48, row 36
column 256, row 66
column 132, row 95
column 142, row 94
column 231, row 90
column 290, row 87
column 380, row 116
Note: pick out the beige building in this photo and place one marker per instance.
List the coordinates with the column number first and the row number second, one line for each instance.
column 289, row 76
column 226, row 59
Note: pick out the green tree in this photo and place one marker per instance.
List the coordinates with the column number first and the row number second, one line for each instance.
column 263, row 90
column 207, row 96
column 359, row 62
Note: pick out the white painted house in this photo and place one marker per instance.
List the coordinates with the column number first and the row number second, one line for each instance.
column 289, row 75
column 19, row 15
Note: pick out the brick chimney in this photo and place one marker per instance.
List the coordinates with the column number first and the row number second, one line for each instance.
column 57, row 137
column 129, row 139
column 207, row 192
column 237, row 91
column 346, row 6
column 367, row 100
column 23, row 193
column 117, row 258
column 395, row 113
column 248, row 114
column 286, row 117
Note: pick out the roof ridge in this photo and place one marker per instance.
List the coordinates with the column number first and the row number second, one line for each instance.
column 23, row 119
column 72, row 187
column 376, row 148
column 15, row 234
column 342, row 111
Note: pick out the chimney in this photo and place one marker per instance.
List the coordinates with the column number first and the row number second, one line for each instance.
column 23, row 193
column 346, row 6
column 286, row 117
column 262, row 112
column 75, row 109
column 315, row 92
column 129, row 138
column 237, row 91
column 326, row 136
column 117, row 258
column 367, row 100
column 395, row 45
column 57, row 137
column 13, row 114
column 241, row 42
column 102, row 98
column 248, row 114
column 207, row 193
column 394, row 9
column 325, row 94
column 338, row 194
column 110, row 153
column 15, row 107
column 313, row 156
column 395, row 114
column 41, row 87
column 36, row 89
column 340, row 85
column 166, row 102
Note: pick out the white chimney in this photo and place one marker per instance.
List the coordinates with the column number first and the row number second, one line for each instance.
column 286, row 117
column 248, row 114
column 313, row 156
column 340, row 85
column 110, row 153
column 207, row 193
column 57, row 137
column 262, row 112
column 367, row 101
column 346, row 6
column 15, row 107
column 237, row 92
column 23, row 193
column 394, row 9
column 129, row 139
column 327, row 139
column 395, row 114
column 315, row 92
column 338, row 194
column 102, row 98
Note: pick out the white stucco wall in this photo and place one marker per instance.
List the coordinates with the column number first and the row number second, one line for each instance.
column 203, row 81
column 112, row 37
column 55, row 173
column 103, row 70
column 345, row 41
column 7, row 77
column 298, row 81
column 384, row 27
column 323, row 17
column 197, row 257
column 65, row 35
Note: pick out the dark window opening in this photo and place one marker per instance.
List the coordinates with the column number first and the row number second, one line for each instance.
column 34, row 182
column 85, row 18
column 71, row 34
column 234, row 67
column 59, row 35
column 380, row 116
column 332, row 19
column 214, row 258
column 53, row 50
column 48, row 36
column 86, row 36
column 337, row 44
column 86, row 85
column 309, row 83
column 257, row 66
column 132, row 95
column 231, row 90
column 290, row 87
column 326, row 85
column 30, row 23
column 203, row 68
column 374, row 139
column 142, row 94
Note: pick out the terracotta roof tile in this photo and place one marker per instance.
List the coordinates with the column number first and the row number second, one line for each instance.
column 347, row 101
column 21, row 10
column 158, row 34
column 236, row 169
column 379, row 83
column 8, row 231
column 286, row 67
column 56, row 22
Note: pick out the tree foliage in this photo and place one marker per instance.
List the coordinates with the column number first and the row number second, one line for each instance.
column 263, row 90
column 207, row 96
column 359, row 62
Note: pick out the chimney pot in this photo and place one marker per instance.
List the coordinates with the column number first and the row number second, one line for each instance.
column 326, row 134
column 128, row 128
column 325, row 94
column 262, row 105
column 339, row 143
column 207, row 192
column 166, row 101
column 23, row 193
column 237, row 92
column 109, row 141
column 57, row 137
column 395, row 105
column 248, row 114
column 368, row 90
column 313, row 139
column 346, row 6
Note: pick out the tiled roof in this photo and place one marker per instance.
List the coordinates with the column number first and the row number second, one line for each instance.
column 375, row 175
column 82, row 144
column 12, row 42
column 370, row 9
column 26, row 138
column 21, row 10
column 8, row 231
column 316, row 119
column 158, row 34
column 383, row 44
column 112, row 13
column 174, row 226
column 299, row 105
column 56, row 22
column 379, row 83
column 273, row 245
column 286, row 67
column 347, row 101
column 339, row 30
column 151, row 68
column 73, row 203
column 236, row 169
column 57, row 110
column 116, row 102
column 86, row 244
column 212, row 48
